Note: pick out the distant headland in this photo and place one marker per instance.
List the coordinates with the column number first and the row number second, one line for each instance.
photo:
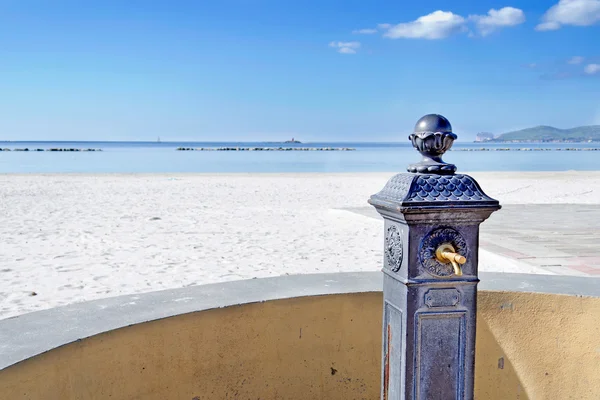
column 545, row 134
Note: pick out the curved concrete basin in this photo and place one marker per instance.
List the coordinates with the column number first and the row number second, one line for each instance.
column 296, row 337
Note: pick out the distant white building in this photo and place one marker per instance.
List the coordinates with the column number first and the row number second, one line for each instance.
column 484, row 137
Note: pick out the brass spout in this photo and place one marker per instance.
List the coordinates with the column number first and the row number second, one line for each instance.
column 445, row 253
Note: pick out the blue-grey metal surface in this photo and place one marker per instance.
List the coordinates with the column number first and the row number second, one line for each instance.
column 432, row 138
column 415, row 189
column 428, row 302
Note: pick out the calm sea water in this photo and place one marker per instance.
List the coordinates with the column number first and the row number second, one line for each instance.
column 127, row 157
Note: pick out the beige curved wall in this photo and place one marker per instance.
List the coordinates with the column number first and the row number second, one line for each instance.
column 530, row 346
column 548, row 345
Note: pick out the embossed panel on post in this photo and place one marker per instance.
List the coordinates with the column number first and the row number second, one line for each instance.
column 440, row 343
column 394, row 248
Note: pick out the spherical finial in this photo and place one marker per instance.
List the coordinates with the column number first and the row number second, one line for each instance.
column 433, row 123
column 432, row 138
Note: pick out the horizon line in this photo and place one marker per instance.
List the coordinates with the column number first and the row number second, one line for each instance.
column 194, row 141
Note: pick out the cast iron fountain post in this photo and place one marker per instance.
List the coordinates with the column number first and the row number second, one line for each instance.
column 431, row 228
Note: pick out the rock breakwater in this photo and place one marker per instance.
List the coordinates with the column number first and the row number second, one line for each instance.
column 265, row 149
column 53, row 149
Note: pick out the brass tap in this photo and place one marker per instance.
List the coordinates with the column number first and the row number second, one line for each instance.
column 446, row 253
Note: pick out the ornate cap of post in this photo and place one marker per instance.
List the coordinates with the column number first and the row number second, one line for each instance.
column 431, row 228
column 432, row 137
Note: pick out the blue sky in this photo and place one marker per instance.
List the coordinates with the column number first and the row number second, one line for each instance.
column 318, row 70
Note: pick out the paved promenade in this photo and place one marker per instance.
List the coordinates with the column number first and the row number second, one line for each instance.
column 561, row 239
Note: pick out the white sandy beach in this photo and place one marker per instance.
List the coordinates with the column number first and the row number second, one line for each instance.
column 71, row 238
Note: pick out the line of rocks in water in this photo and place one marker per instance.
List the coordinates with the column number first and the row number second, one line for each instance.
column 54, row 149
column 265, row 149
column 531, row 149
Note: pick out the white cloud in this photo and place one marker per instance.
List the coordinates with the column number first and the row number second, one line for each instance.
column 547, row 26
column 495, row 19
column 592, row 69
column 365, row 31
column 575, row 60
column 437, row 25
column 346, row 50
column 570, row 12
column 345, row 47
column 441, row 24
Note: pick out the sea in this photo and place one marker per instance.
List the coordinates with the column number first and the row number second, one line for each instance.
column 163, row 157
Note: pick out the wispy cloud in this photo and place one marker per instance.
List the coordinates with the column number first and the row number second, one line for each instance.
column 557, row 75
column 346, row 50
column 365, row 31
column 592, row 69
column 576, row 67
column 345, row 47
column 575, row 60
column 496, row 19
column 570, row 12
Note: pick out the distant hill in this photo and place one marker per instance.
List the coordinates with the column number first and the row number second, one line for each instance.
column 544, row 133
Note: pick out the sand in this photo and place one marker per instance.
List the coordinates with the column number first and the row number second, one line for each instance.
column 71, row 238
